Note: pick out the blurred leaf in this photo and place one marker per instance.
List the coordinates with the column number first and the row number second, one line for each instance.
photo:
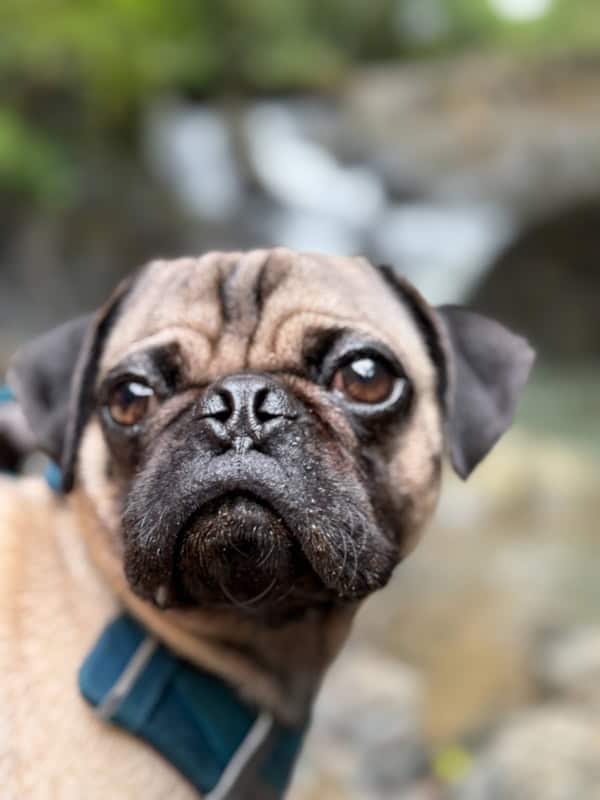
column 452, row 764
column 80, row 73
column 31, row 164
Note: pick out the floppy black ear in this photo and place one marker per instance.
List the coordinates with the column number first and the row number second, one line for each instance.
column 16, row 440
column 53, row 380
column 41, row 376
column 490, row 368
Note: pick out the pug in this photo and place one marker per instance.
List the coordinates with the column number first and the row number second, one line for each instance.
column 249, row 445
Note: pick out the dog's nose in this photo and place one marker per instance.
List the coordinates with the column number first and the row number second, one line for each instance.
column 244, row 410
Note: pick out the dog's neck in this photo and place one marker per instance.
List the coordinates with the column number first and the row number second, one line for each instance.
column 278, row 667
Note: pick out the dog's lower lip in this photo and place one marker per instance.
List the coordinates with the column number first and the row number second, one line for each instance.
column 235, row 547
column 217, row 502
column 234, row 495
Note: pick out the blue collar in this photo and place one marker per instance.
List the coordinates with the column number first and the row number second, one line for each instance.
column 6, row 396
column 227, row 748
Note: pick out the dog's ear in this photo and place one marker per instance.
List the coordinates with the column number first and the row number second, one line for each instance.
column 16, row 441
column 53, row 380
column 489, row 368
column 41, row 375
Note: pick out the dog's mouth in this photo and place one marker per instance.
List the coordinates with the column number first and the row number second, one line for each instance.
column 246, row 533
column 237, row 549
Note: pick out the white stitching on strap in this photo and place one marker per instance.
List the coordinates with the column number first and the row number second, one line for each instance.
column 127, row 678
column 252, row 743
column 250, row 746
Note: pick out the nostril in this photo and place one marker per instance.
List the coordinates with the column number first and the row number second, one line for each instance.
column 269, row 404
column 243, row 406
column 260, row 406
column 219, row 405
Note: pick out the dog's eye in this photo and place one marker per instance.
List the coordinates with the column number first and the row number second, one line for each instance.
column 129, row 402
column 366, row 380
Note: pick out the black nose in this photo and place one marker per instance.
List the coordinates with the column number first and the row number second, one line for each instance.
column 244, row 410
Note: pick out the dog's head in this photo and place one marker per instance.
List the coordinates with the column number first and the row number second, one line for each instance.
column 266, row 429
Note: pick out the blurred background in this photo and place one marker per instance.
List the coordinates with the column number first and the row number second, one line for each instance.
column 458, row 140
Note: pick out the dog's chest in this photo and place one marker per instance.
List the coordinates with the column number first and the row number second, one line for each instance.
column 52, row 608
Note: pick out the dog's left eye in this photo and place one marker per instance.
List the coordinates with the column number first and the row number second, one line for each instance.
column 129, row 402
column 367, row 380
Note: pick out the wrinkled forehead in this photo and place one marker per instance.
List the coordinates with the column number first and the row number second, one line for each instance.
column 252, row 310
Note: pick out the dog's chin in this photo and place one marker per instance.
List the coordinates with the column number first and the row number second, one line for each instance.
column 238, row 551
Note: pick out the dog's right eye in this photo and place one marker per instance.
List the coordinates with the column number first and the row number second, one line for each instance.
column 365, row 380
column 129, row 402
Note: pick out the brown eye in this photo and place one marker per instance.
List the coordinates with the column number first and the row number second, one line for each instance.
column 365, row 380
column 129, row 402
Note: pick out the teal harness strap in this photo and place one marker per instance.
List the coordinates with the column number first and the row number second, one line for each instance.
column 6, row 396
column 53, row 474
column 224, row 746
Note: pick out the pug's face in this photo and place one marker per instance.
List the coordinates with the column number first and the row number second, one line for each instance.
column 265, row 430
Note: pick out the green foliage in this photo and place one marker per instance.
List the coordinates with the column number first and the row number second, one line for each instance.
column 114, row 53
column 110, row 52
column 31, row 164
column 569, row 25
column 80, row 71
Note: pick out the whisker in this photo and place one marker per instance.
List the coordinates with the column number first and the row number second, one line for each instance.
column 266, row 557
column 245, row 604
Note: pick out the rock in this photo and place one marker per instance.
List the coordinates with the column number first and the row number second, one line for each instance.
column 568, row 665
column 527, row 473
column 367, row 735
column 369, row 697
column 548, row 754
column 519, row 134
column 552, row 268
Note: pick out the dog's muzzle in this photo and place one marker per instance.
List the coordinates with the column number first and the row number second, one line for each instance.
column 249, row 501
